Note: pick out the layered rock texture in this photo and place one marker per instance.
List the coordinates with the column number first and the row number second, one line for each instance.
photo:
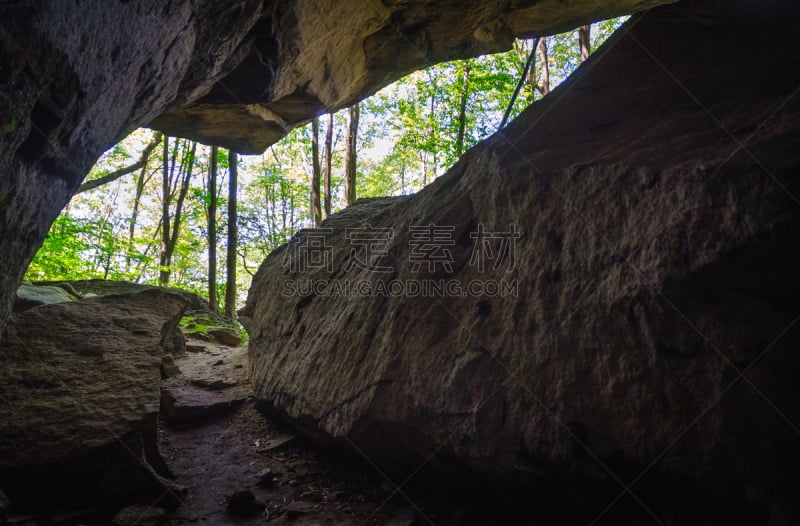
column 105, row 287
column 303, row 58
column 30, row 296
column 76, row 78
column 80, row 391
column 649, row 344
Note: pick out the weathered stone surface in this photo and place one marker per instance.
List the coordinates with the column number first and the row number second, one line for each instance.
column 215, row 383
column 244, row 504
column 201, row 392
column 139, row 516
column 76, row 78
column 298, row 508
column 655, row 194
column 265, row 478
column 311, row 57
column 168, row 367
column 80, row 390
column 105, row 287
column 226, row 335
column 174, row 342
column 30, row 296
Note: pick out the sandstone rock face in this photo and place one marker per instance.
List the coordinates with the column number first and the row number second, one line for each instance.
column 30, row 296
column 199, row 394
column 174, row 343
column 80, row 391
column 226, row 335
column 105, row 287
column 649, row 340
column 309, row 57
column 76, row 79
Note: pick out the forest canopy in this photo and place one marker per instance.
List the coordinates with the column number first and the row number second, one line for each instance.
column 157, row 209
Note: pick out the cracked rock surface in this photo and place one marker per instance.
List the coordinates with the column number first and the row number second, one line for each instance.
column 655, row 264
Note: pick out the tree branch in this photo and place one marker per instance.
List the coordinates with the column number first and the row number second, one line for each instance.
column 113, row 176
column 519, row 84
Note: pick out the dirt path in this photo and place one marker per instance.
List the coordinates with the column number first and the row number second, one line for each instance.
column 217, row 443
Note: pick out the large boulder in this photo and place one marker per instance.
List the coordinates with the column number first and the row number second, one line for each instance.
column 38, row 293
column 30, row 296
column 642, row 359
column 210, row 385
column 106, row 287
column 80, row 391
column 77, row 77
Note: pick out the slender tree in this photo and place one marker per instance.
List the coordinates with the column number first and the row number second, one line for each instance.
column 432, row 138
column 351, row 162
column 183, row 181
column 525, row 76
column 316, row 207
column 462, row 108
column 544, row 79
column 524, row 54
column 213, row 302
column 233, row 234
column 163, row 271
column 328, row 163
column 141, row 180
column 174, row 186
column 584, row 35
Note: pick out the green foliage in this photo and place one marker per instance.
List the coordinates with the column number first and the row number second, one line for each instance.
column 198, row 324
column 62, row 253
column 409, row 135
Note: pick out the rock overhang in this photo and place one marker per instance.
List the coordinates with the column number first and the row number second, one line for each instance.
column 301, row 60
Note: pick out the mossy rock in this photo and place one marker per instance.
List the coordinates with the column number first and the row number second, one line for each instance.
column 226, row 335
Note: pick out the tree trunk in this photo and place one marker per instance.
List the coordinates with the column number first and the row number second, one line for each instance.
column 173, row 185
column 316, row 206
column 433, row 136
column 185, row 178
column 584, row 34
column 230, row 288
column 462, row 110
column 328, row 162
column 213, row 302
column 531, row 78
column 163, row 273
column 424, row 157
column 351, row 163
column 544, row 78
column 137, row 199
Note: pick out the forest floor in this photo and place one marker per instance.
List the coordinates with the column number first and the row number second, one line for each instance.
column 218, row 444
